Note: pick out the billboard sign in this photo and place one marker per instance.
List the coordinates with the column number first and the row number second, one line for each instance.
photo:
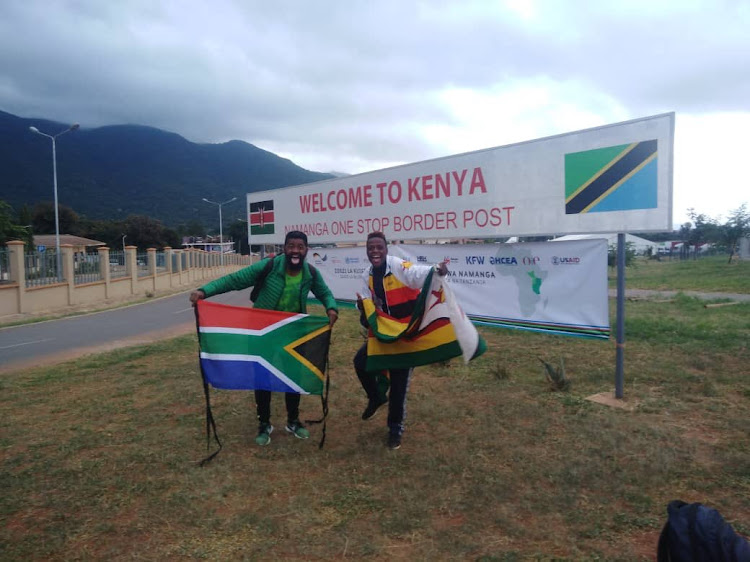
column 614, row 178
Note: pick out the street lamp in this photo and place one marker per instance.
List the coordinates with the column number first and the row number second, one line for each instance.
column 73, row 127
column 221, row 228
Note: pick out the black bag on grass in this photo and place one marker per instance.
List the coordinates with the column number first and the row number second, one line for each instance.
column 694, row 532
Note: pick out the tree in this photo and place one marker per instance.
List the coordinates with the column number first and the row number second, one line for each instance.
column 145, row 232
column 238, row 233
column 705, row 230
column 629, row 255
column 736, row 227
column 43, row 219
column 10, row 230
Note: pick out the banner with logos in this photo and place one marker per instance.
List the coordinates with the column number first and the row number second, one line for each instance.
column 556, row 287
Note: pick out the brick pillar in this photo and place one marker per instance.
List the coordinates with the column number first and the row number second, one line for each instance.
column 69, row 271
column 18, row 272
column 168, row 256
column 131, row 267
column 104, row 271
column 151, row 261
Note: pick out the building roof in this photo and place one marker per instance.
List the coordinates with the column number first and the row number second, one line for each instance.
column 49, row 240
column 611, row 238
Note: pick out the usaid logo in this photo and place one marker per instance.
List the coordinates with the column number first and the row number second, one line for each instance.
column 557, row 260
column 352, row 260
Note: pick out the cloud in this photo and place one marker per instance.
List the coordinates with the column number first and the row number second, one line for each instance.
column 362, row 85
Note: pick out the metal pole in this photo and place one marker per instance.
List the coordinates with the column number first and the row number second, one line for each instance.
column 620, row 345
column 221, row 236
column 54, row 182
column 57, row 216
column 221, row 226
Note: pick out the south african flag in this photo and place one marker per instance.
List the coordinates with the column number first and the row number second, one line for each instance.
column 249, row 348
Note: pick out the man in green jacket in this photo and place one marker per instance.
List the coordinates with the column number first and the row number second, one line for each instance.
column 285, row 287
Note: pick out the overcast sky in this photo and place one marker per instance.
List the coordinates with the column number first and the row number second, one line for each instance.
column 356, row 85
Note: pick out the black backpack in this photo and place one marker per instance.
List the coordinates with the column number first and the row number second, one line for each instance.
column 694, row 532
column 263, row 274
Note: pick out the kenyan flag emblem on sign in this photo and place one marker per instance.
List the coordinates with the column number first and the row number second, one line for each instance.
column 615, row 178
column 261, row 217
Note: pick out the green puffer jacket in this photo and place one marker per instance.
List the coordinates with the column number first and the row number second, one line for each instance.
column 273, row 285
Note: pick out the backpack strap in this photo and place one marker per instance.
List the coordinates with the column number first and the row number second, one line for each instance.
column 313, row 270
column 261, row 279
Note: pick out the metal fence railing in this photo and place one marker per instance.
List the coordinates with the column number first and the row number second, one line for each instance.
column 117, row 268
column 41, row 268
column 161, row 262
column 86, row 269
column 4, row 265
column 141, row 263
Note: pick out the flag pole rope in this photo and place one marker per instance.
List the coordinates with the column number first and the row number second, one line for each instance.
column 210, row 422
column 324, row 402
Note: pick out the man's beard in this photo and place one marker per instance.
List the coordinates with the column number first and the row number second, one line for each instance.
column 294, row 266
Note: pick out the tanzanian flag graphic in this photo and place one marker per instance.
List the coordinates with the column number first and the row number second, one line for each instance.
column 249, row 348
column 615, row 178
column 261, row 217
column 437, row 331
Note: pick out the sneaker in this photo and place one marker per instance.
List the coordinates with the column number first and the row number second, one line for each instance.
column 394, row 441
column 372, row 408
column 264, row 434
column 297, row 429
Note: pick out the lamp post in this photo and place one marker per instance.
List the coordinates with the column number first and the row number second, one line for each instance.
column 221, row 227
column 124, row 236
column 73, row 127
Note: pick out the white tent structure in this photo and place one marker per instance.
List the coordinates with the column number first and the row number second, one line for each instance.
column 640, row 245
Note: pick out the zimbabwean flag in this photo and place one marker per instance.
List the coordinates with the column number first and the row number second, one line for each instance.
column 437, row 331
column 249, row 348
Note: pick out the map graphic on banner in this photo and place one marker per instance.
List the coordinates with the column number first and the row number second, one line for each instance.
column 558, row 287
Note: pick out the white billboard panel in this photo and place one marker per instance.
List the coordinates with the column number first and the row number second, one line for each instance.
column 549, row 287
column 615, row 178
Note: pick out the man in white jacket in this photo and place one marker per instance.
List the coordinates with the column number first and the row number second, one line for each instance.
column 393, row 285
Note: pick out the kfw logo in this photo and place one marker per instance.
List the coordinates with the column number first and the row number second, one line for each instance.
column 474, row 260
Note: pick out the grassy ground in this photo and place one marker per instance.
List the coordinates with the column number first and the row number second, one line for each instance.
column 99, row 456
column 711, row 274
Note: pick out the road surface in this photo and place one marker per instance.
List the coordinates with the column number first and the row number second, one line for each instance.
column 53, row 341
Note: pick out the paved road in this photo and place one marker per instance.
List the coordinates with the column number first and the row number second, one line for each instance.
column 58, row 340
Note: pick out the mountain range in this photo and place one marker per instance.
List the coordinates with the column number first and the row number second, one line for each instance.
column 115, row 171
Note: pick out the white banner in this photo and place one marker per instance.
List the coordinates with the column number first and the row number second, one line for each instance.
column 616, row 178
column 558, row 287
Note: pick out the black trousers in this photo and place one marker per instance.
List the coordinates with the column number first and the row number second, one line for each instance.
column 263, row 405
column 375, row 390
